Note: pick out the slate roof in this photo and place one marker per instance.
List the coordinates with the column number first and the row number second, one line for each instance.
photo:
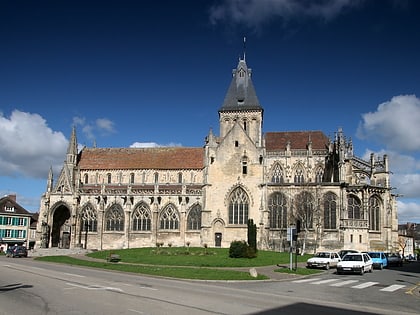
column 298, row 140
column 170, row 158
column 10, row 202
column 241, row 94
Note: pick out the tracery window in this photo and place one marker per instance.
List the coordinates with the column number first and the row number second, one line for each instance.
column 169, row 218
column 299, row 176
column 89, row 219
column 114, row 218
column 194, row 218
column 330, row 211
column 374, row 214
column 304, row 203
column 277, row 204
column 353, row 207
column 238, row 207
column 277, row 176
column 141, row 218
column 319, row 175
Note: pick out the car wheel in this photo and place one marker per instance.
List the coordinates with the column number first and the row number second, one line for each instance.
column 371, row 269
column 381, row 266
column 362, row 271
column 327, row 266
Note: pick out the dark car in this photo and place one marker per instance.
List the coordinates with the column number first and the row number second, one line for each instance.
column 394, row 259
column 17, row 251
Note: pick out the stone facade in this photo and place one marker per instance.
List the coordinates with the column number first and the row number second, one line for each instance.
column 111, row 198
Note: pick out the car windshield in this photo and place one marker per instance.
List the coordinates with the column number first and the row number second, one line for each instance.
column 374, row 255
column 322, row 255
column 350, row 257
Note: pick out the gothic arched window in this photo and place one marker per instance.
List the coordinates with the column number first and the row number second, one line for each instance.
column 330, row 211
column 238, row 207
column 277, row 204
column 277, row 176
column 169, row 218
column 88, row 219
column 114, row 218
column 299, row 176
column 304, row 203
column 194, row 218
column 319, row 175
column 353, row 207
column 374, row 214
column 141, row 218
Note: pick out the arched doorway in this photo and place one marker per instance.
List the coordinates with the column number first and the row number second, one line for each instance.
column 60, row 233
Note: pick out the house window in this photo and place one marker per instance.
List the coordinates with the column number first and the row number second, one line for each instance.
column 114, row 219
column 304, row 203
column 277, row 176
column 156, row 178
column 132, row 178
column 22, row 221
column 374, row 216
column 141, row 218
column 277, row 204
column 360, row 238
column 244, row 168
column 238, row 207
column 9, row 221
column 194, row 218
column 330, row 211
column 89, row 220
column 8, row 233
column 86, row 179
column 169, row 219
column 353, row 208
column 109, row 178
column 236, row 143
column 351, row 238
column 179, row 178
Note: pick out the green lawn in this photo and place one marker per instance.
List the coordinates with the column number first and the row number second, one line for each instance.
column 184, row 263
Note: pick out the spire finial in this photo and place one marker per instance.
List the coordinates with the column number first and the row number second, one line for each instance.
column 244, row 47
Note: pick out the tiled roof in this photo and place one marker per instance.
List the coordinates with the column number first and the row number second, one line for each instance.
column 141, row 158
column 8, row 202
column 298, row 140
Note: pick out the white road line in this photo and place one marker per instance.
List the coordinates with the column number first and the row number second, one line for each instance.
column 73, row 275
column 305, row 280
column 343, row 283
column 392, row 288
column 324, row 281
column 364, row 285
column 95, row 287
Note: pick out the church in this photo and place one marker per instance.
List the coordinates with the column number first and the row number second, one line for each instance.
column 118, row 198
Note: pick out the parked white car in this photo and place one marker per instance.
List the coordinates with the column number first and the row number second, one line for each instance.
column 325, row 260
column 355, row 263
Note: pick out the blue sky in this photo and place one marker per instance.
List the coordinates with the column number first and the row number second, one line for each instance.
column 135, row 73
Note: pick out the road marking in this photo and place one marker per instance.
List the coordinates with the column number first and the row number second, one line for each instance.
column 364, row 285
column 306, row 280
column 393, row 288
column 324, row 281
column 135, row 311
column 95, row 287
column 343, row 283
column 73, row 275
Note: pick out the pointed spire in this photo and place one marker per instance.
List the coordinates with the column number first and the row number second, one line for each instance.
column 72, row 149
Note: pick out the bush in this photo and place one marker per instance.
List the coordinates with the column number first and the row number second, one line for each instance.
column 240, row 249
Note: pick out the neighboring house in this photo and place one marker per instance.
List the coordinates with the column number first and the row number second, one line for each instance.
column 110, row 198
column 14, row 223
column 32, row 230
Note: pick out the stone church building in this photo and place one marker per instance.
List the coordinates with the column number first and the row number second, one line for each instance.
column 114, row 198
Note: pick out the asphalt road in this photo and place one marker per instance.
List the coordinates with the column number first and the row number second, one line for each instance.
column 32, row 287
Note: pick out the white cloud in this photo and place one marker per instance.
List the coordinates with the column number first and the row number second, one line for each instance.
column 255, row 13
column 28, row 146
column 395, row 124
column 153, row 145
column 408, row 212
column 89, row 129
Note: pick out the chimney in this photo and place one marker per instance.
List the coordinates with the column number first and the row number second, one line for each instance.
column 12, row 197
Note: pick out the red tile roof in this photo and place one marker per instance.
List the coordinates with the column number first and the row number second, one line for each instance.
column 298, row 140
column 141, row 158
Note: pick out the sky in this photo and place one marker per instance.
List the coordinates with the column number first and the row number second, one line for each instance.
column 154, row 73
